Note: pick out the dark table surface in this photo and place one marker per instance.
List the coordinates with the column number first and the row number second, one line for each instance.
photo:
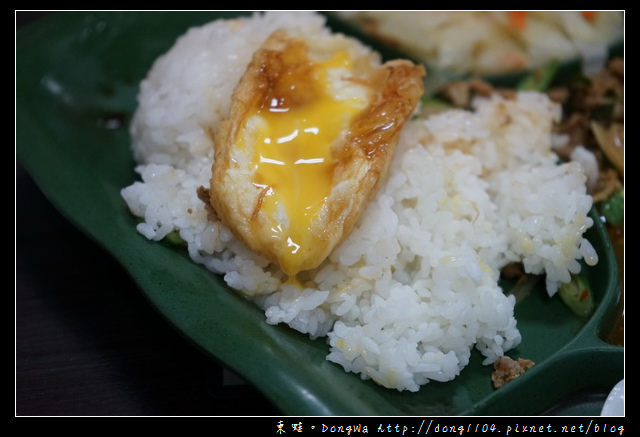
column 87, row 342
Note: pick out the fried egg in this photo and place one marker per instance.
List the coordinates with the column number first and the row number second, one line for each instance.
column 310, row 134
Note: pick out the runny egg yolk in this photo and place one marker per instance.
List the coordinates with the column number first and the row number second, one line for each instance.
column 309, row 106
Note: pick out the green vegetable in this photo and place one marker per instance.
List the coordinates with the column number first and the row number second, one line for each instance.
column 577, row 295
column 539, row 79
column 174, row 238
column 613, row 208
column 433, row 105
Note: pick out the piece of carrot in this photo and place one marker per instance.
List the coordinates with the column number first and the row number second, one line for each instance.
column 518, row 19
column 589, row 15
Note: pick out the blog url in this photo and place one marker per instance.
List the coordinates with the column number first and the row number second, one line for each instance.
column 437, row 427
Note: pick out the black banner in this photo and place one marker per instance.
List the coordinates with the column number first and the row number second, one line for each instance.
column 321, row 426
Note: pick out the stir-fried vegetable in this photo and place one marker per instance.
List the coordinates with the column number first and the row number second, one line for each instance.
column 540, row 79
column 174, row 238
column 577, row 295
column 611, row 141
column 613, row 209
column 430, row 105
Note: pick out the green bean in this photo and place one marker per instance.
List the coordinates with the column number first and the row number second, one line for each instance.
column 577, row 295
column 174, row 238
column 539, row 79
column 613, row 208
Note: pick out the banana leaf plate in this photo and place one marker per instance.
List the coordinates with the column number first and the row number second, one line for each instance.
column 77, row 76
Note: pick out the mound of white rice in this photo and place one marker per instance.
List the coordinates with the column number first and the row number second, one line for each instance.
column 414, row 287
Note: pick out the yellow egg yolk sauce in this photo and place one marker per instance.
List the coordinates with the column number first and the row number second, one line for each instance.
column 292, row 134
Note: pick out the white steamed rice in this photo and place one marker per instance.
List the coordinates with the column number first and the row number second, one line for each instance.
column 405, row 298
